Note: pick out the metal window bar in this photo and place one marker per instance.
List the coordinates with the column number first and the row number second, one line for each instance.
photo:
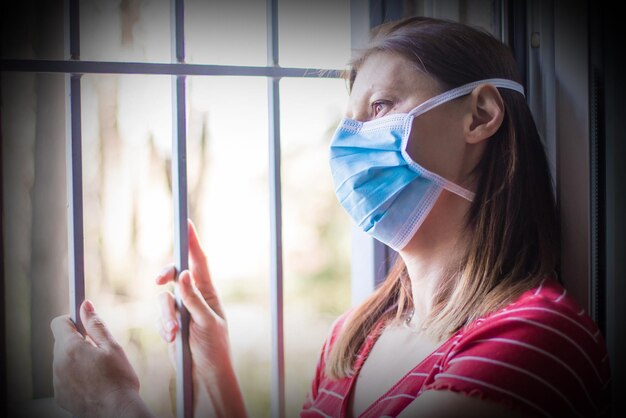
column 73, row 68
column 276, row 256
column 184, row 381
column 150, row 68
column 74, row 175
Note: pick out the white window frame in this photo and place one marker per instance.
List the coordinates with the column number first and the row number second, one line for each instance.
column 369, row 257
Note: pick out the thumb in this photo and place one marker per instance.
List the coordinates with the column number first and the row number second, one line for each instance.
column 193, row 300
column 95, row 328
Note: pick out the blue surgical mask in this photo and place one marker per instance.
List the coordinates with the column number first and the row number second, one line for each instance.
column 387, row 194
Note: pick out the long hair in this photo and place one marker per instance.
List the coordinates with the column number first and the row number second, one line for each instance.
column 511, row 226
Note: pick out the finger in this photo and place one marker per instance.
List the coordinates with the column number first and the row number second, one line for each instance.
column 171, row 353
column 169, row 324
column 199, row 267
column 168, row 274
column 198, row 261
column 95, row 328
column 198, row 308
column 64, row 329
column 195, row 246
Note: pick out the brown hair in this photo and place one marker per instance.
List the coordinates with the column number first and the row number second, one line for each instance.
column 511, row 226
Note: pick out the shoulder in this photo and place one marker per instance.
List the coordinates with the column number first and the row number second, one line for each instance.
column 540, row 354
column 332, row 335
column 336, row 328
column 545, row 318
column 546, row 311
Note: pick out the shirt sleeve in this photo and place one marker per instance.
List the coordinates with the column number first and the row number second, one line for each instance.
column 539, row 360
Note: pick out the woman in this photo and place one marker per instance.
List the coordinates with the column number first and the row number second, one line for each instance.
column 440, row 159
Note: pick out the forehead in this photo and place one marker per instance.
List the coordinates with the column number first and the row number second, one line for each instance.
column 392, row 73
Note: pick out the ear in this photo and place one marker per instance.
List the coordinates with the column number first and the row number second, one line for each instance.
column 485, row 114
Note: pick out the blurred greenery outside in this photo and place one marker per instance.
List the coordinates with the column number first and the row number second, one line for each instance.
column 126, row 128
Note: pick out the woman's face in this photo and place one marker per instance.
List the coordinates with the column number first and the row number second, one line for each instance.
column 388, row 83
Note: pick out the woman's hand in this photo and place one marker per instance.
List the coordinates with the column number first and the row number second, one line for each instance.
column 92, row 376
column 208, row 331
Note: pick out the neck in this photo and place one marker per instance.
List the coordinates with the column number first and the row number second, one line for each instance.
column 436, row 250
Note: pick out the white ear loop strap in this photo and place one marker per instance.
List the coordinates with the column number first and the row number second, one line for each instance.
column 442, row 98
column 463, row 90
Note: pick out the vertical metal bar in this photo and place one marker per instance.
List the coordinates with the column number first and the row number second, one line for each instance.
column 541, row 81
column 184, row 382
column 516, row 36
column 177, row 26
column 276, row 255
column 598, row 164
column 504, row 21
column 74, row 30
column 74, row 174
column 597, row 285
column 3, row 314
column 76, row 262
column 272, row 33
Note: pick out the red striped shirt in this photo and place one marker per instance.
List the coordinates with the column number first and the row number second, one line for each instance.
column 541, row 355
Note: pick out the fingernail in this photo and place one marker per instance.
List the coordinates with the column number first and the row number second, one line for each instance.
column 162, row 273
column 88, row 306
column 171, row 324
column 184, row 279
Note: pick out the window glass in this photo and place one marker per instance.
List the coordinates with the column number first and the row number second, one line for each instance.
column 230, row 32
column 316, row 230
column 127, row 129
column 126, row 125
column 33, row 178
column 128, row 215
column 314, row 34
column 127, row 30
column 229, row 202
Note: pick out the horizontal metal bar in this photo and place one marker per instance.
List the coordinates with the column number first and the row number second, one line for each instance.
column 150, row 68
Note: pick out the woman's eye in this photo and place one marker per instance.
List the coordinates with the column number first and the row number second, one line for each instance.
column 379, row 106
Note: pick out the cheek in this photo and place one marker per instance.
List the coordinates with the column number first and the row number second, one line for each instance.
column 435, row 147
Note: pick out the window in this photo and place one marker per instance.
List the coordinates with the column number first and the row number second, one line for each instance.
column 126, row 118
